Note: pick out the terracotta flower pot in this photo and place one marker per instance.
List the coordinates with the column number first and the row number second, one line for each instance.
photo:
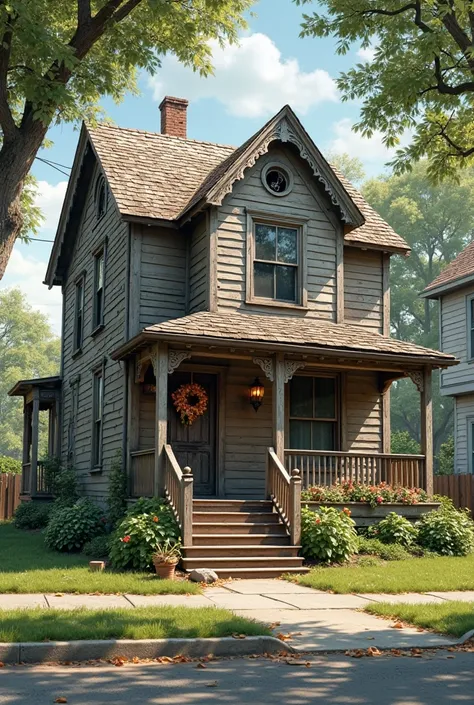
column 165, row 571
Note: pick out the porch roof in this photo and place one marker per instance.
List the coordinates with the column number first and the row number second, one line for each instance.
column 284, row 332
column 25, row 386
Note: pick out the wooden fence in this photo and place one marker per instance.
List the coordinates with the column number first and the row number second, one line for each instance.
column 10, row 486
column 460, row 488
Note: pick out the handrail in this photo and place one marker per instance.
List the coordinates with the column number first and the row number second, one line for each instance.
column 321, row 467
column 179, row 492
column 285, row 492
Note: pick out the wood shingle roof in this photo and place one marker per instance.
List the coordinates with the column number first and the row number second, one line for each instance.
column 453, row 275
column 285, row 330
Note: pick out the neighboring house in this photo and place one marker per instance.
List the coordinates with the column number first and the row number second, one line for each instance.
column 251, row 272
column 454, row 288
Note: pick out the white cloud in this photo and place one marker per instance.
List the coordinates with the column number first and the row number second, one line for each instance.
column 50, row 200
column 27, row 273
column 367, row 53
column 250, row 78
column 369, row 149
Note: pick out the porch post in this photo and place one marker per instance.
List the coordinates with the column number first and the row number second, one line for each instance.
column 26, row 444
column 34, row 444
column 161, row 374
column 133, row 416
column 279, row 407
column 57, row 428
column 426, row 404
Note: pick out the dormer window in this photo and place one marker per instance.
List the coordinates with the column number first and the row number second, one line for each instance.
column 277, row 179
column 275, row 262
column 100, row 197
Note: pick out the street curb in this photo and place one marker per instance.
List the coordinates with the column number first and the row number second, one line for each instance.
column 40, row 652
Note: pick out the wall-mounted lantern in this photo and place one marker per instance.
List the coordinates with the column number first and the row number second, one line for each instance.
column 257, row 391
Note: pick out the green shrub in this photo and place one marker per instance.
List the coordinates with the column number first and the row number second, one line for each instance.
column 327, row 534
column 32, row 515
column 97, row 548
column 396, row 529
column 446, row 457
column 402, row 442
column 135, row 540
column 9, row 465
column 117, row 492
column 387, row 552
column 447, row 531
column 71, row 527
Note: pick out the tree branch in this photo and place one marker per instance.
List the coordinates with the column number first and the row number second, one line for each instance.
column 410, row 6
column 83, row 12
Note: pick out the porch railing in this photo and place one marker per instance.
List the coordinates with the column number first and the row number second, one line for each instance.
column 327, row 467
column 142, row 472
column 179, row 492
column 284, row 489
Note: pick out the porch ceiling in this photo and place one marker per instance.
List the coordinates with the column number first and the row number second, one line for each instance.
column 285, row 333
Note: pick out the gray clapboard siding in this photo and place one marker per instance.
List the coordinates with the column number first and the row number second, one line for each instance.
column 199, row 268
column 460, row 378
column 302, row 202
column 162, row 274
column 464, row 415
column 363, row 412
column 248, row 434
column 92, row 235
column 363, row 292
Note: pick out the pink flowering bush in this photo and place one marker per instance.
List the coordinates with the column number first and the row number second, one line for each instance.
column 348, row 491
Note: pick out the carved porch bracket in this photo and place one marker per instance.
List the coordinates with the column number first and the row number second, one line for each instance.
column 146, row 358
column 175, row 358
column 266, row 363
column 290, row 368
column 417, row 379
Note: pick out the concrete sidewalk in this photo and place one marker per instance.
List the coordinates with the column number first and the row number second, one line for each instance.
column 313, row 619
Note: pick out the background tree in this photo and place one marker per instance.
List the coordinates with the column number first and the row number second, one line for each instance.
column 421, row 77
column 59, row 57
column 28, row 348
column 437, row 221
column 351, row 167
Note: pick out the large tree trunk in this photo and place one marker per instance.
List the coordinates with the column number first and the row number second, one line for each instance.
column 16, row 157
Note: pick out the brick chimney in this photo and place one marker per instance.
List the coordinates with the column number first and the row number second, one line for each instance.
column 173, row 116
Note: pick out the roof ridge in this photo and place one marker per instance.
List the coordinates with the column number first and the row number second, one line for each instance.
column 444, row 278
column 100, row 125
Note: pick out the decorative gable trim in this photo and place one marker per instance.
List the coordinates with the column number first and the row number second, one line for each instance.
column 285, row 127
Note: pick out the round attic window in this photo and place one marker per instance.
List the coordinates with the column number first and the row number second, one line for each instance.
column 277, row 179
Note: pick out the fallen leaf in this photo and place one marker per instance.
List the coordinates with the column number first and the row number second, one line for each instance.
column 2, row 665
column 212, row 684
column 373, row 651
column 61, row 700
column 284, row 637
column 397, row 625
column 450, row 656
column 201, row 665
column 58, row 594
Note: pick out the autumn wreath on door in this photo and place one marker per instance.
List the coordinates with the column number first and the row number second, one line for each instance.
column 190, row 401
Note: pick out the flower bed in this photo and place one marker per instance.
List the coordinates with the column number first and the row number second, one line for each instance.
column 370, row 503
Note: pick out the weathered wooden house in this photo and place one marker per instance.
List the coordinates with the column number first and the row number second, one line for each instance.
column 260, row 277
column 454, row 288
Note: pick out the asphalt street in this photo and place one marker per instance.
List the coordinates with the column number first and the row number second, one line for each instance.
column 436, row 678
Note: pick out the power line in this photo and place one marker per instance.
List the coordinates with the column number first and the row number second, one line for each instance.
column 56, row 166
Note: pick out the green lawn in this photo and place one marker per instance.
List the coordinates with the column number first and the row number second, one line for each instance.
column 413, row 575
column 27, row 566
column 454, row 618
column 141, row 623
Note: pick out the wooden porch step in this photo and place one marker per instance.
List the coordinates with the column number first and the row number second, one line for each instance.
column 241, row 539
column 232, row 562
column 240, row 551
column 232, row 505
column 258, row 572
column 235, row 517
column 214, row 527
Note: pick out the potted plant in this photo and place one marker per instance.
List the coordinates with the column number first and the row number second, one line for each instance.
column 166, row 558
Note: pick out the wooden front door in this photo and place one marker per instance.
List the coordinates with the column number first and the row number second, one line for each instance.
column 195, row 445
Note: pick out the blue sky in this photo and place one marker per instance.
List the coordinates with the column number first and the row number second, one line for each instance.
column 271, row 66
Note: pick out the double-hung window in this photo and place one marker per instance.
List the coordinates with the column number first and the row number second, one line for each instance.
column 97, row 413
column 79, row 315
column 275, row 260
column 99, row 280
column 313, row 417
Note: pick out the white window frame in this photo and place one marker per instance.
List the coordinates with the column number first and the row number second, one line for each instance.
column 79, row 284
column 97, row 433
column 301, row 226
column 98, row 316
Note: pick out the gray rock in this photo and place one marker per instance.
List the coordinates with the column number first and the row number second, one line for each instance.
column 203, row 575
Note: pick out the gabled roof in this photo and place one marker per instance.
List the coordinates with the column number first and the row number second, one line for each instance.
column 310, row 333
column 458, row 273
